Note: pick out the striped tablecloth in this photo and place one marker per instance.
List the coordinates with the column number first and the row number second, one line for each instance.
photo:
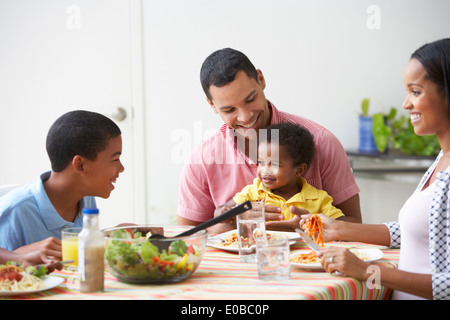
column 221, row 276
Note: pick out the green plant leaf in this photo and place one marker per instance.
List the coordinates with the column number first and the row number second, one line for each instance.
column 396, row 132
column 380, row 131
column 392, row 114
column 365, row 107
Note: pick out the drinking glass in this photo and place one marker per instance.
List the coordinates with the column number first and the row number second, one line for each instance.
column 251, row 226
column 69, row 239
column 273, row 260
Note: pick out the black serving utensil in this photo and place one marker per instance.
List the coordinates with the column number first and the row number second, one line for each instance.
column 164, row 245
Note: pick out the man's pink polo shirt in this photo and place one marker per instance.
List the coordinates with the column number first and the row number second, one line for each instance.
column 217, row 169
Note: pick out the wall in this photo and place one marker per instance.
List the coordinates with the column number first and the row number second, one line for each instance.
column 320, row 59
column 62, row 55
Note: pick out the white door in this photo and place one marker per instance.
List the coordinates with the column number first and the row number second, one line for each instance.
column 58, row 56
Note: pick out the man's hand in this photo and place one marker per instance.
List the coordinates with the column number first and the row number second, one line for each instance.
column 284, row 225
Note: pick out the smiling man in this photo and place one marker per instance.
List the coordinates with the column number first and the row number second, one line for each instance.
column 226, row 162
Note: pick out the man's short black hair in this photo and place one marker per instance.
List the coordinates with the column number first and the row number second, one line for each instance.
column 79, row 132
column 221, row 67
column 297, row 140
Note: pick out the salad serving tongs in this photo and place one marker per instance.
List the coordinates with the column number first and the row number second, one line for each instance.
column 227, row 215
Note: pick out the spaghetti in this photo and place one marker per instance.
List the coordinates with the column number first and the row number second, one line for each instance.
column 313, row 227
column 306, row 258
column 231, row 240
column 312, row 258
column 14, row 278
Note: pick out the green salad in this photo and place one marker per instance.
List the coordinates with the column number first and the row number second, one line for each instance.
column 140, row 259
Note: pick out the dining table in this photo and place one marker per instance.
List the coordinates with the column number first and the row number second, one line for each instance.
column 222, row 276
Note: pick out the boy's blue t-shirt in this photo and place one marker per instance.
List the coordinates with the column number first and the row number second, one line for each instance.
column 28, row 216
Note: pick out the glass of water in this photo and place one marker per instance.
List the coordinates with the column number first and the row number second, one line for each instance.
column 250, row 226
column 273, row 258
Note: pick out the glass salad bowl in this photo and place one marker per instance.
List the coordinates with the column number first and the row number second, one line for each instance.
column 133, row 255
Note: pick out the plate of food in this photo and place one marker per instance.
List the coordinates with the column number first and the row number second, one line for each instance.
column 306, row 259
column 14, row 280
column 228, row 241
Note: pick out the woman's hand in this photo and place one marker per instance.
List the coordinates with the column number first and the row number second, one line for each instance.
column 342, row 260
column 330, row 227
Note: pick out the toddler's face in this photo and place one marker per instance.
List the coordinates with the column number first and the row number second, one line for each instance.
column 276, row 169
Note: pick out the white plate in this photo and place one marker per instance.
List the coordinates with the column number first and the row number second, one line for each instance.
column 216, row 241
column 49, row 281
column 372, row 253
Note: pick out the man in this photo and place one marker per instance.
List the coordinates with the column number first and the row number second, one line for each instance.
column 223, row 164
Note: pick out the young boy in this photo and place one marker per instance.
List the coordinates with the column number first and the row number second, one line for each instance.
column 284, row 156
column 84, row 150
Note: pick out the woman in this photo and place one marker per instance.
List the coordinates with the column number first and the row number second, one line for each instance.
column 424, row 267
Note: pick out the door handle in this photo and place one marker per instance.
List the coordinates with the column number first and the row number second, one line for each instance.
column 119, row 114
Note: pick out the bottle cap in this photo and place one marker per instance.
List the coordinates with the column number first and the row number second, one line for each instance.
column 89, row 211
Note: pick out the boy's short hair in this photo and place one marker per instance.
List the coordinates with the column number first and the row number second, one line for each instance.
column 221, row 67
column 79, row 132
column 297, row 140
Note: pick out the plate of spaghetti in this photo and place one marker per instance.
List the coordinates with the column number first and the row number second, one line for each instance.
column 309, row 260
column 14, row 280
column 229, row 241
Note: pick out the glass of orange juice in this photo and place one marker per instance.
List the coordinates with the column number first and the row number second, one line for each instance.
column 69, row 239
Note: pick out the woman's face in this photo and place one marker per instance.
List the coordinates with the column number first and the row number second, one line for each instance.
column 427, row 108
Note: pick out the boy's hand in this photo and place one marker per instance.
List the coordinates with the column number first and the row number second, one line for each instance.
column 50, row 247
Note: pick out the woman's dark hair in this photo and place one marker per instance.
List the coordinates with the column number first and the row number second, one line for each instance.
column 435, row 58
column 81, row 133
column 221, row 67
column 297, row 140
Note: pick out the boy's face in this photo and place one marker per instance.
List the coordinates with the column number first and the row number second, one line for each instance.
column 242, row 104
column 102, row 173
column 276, row 169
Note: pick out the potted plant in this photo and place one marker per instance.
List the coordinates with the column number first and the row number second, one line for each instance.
column 396, row 133
column 366, row 137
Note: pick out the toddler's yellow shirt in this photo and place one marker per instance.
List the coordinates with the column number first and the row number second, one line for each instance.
column 309, row 198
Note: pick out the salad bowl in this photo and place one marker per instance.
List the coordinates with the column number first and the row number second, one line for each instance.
column 132, row 256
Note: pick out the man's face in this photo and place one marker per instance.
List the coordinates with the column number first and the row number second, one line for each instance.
column 242, row 104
